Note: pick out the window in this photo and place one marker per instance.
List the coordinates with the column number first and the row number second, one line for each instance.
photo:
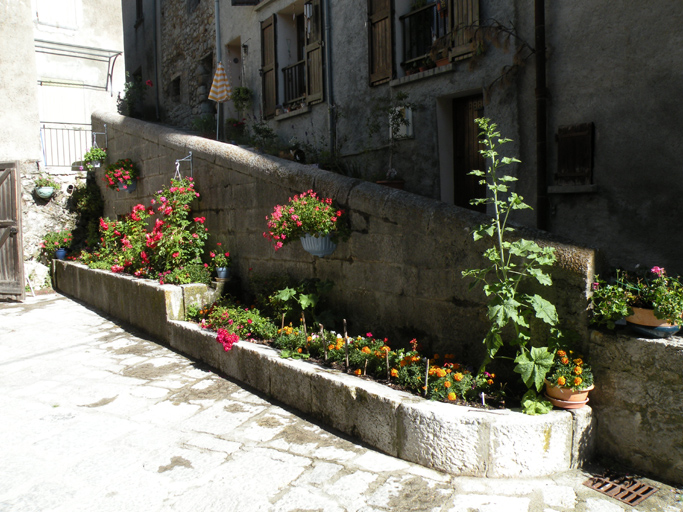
column 174, row 90
column 575, row 154
column 438, row 30
column 291, row 43
column 139, row 16
column 380, row 41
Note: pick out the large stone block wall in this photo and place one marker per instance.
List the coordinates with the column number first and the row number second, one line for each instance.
column 398, row 275
column 638, row 399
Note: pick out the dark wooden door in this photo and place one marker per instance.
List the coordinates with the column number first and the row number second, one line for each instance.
column 466, row 156
column 11, row 250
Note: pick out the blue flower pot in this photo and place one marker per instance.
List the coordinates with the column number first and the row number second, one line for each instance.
column 222, row 272
column 318, row 245
column 60, row 254
column 45, row 192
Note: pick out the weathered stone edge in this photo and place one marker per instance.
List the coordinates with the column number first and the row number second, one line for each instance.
column 456, row 440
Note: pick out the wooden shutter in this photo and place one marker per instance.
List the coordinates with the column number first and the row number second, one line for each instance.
column 11, row 249
column 314, row 56
column 380, row 45
column 269, row 66
column 463, row 15
column 575, row 154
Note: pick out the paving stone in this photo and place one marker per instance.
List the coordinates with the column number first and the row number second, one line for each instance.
column 559, row 496
column 487, row 503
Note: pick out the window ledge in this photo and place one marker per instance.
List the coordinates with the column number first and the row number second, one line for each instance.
column 293, row 113
column 573, row 189
column 262, row 4
column 424, row 74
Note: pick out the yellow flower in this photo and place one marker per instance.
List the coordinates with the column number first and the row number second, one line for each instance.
column 385, row 349
column 452, row 396
column 561, row 353
column 358, row 371
column 578, row 361
column 447, row 384
column 366, row 350
column 394, row 372
column 578, row 370
column 577, row 381
column 457, row 376
column 440, row 372
column 561, row 381
column 331, row 347
column 564, row 360
column 489, row 382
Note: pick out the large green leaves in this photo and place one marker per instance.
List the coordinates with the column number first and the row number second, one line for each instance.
column 534, row 365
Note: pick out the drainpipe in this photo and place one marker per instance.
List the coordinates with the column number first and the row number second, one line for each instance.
column 541, row 120
column 156, row 67
column 331, row 109
column 219, row 58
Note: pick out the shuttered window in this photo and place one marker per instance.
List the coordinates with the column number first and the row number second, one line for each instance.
column 269, row 65
column 380, row 45
column 463, row 15
column 314, row 56
column 575, row 154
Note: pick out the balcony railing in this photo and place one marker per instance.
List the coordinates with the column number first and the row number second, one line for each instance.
column 295, row 82
column 421, row 28
column 64, row 143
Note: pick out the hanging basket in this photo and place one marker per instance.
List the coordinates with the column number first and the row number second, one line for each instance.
column 321, row 245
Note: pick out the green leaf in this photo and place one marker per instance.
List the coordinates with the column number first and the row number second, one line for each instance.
column 544, row 310
column 309, row 300
column 534, row 404
column 285, row 294
column 493, row 342
column 540, row 276
column 533, row 366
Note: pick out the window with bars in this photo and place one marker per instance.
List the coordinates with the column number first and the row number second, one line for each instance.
column 292, row 43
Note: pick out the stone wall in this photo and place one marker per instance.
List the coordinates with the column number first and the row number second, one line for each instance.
column 638, row 401
column 399, row 274
column 188, row 36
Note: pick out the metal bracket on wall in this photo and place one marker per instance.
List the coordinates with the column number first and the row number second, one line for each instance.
column 106, row 138
column 188, row 158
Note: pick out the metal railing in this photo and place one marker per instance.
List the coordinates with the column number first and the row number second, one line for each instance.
column 295, row 82
column 421, row 28
column 64, row 143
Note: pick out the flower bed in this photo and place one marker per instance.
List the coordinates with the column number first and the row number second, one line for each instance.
column 457, row 440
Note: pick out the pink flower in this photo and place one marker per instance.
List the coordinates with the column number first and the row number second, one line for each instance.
column 149, row 83
column 657, row 270
column 248, row 320
column 175, row 254
column 368, row 335
column 596, row 286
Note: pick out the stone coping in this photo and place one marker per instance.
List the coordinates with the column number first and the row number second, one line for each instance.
column 454, row 439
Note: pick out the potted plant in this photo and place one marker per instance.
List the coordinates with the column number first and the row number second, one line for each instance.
column 652, row 304
column 122, row 175
column 221, row 261
column 55, row 244
column 568, row 381
column 315, row 221
column 94, row 157
column 242, row 98
column 45, row 186
column 235, row 129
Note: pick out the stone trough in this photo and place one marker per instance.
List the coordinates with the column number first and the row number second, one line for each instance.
column 454, row 439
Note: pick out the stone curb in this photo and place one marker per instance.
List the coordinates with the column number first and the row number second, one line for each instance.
column 454, row 439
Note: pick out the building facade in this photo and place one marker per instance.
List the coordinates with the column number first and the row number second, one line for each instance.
column 587, row 115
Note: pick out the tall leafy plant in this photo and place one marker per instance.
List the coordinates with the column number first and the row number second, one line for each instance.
column 511, row 263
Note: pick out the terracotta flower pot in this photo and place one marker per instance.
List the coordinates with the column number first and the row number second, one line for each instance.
column 644, row 320
column 565, row 398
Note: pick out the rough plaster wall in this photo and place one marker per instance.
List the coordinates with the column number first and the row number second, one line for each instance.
column 19, row 139
column 186, row 38
column 400, row 270
column 617, row 64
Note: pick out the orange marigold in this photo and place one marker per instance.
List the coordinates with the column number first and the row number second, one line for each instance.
column 299, row 350
column 452, row 396
column 447, row 384
column 394, row 372
column 577, row 381
column 561, row 381
column 578, row 370
column 457, row 376
column 358, row 371
column 578, row 361
column 564, row 360
column 489, row 382
column 561, row 353
column 440, row 372
column 366, row 350
column 331, row 347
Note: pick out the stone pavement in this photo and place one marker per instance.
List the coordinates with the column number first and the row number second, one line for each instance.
column 94, row 416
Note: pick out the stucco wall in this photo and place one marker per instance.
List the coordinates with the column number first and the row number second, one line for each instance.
column 19, row 136
column 400, row 271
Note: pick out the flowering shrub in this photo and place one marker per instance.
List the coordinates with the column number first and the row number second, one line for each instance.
column 220, row 258
column 53, row 241
column 570, row 371
column 304, row 214
column 47, row 181
column 121, row 174
column 656, row 290
column 172, row 247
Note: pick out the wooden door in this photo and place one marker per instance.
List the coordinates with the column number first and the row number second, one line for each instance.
column 466, row 156
column 11, row 249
